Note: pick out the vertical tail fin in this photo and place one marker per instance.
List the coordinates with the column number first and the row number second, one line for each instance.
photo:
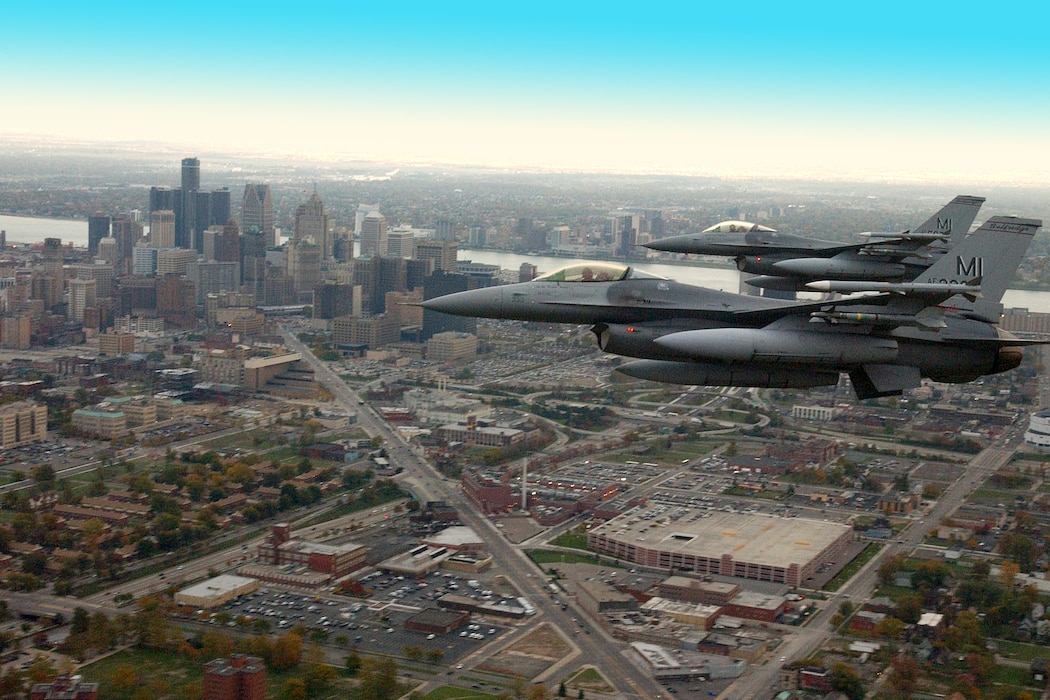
column 992, row 254
column 954, row 219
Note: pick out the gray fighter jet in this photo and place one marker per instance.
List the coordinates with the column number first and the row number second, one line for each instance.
column 787, row 263
column 941, row 325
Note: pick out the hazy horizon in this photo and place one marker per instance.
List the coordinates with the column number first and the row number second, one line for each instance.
column 903, row 94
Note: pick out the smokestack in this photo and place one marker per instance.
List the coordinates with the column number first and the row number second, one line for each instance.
column 525, row 483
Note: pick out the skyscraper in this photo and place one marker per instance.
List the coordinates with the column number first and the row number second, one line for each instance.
column 194, row 210
column 312, row 223
column 98, row 228
column 443, row 253
column 257, row 211
column 373, row 235
column 191, row 174
column 81, row 296
column 127, row 233
column 162, row 229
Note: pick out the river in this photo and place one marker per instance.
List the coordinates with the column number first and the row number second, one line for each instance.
column 24, row 229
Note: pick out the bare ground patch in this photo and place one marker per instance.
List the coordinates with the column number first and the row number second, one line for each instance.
column 531, row 655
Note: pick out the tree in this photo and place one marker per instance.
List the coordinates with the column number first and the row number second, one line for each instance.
column 353, row 663
column 845, row 680
column 378, row 679
column 287, row 652
column 294, row 689
column 906, row 674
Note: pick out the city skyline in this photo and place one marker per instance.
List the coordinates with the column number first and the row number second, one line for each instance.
column 906, row 93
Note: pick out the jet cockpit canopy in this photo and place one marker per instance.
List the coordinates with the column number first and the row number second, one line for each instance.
column 739, row 227
column 595, row 272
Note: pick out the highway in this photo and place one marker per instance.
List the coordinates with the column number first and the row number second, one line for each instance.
column 595, row 647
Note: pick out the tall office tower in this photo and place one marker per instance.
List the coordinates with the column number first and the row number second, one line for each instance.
column 312, row 223
column 365, row 274
column 98, row 228
column 625, row 233
column 107, row 252
column 333, row 300
column 163, row 198
column 343, row 249
column 136, row 296
column 363, row 210
column 416, row 272
column 99, row 271
column 162, row 228
column 444, row 230
column 211, row 209
column 144, row 261
column 478, row 237
column 257, row 211
column 51, row 292
column 400, row 243
column 81, row 296
column 527, row 272
column 174, row 261
column 304, row 267
column 391, row 277
column 439, row 284
column 127, row 233
column 213, row 277
column 373, row 235
column 191, row 174
column 443, row 253
column 175, row 301
column 228, row 246
column 253, row 261
column 278, row 288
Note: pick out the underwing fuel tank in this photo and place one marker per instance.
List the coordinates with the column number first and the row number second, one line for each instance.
column 780, row 347
column 834, row 268
column 710, row 374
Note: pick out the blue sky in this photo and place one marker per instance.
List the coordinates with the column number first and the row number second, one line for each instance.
column 894, row 90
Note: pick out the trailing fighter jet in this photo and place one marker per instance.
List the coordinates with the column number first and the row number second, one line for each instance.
column 788, row 263
column 941, row 325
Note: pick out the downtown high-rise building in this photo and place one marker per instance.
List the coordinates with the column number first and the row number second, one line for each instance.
column 162, row 228
column 195, row 210
column 311, row 224
column 443, row 253
column 257, row 212
column 372, row 235
column 98, row 228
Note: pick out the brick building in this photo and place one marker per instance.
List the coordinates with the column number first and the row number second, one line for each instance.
column 239, row 677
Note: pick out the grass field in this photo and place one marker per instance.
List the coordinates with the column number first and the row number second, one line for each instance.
column 541, row 556
column 173, row 676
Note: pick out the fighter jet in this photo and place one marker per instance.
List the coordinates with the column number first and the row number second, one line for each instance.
column 787, row 263
column 940, row 325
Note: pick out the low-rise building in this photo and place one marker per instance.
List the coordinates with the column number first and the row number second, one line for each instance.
column 216, row 591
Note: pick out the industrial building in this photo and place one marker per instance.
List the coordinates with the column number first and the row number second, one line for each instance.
column 741, row 545
column 281, row 549
column 216, row 591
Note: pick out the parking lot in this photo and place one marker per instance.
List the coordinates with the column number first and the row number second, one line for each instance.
column 376, row 624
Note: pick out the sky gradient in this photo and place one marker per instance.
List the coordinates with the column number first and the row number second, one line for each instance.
column 888, row 91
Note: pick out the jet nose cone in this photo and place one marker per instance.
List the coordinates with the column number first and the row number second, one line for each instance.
column 476, row 302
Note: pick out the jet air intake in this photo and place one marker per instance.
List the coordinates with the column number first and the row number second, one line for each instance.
column 781, row 347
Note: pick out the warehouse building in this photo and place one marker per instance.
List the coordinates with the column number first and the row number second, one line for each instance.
column 216, row 591
column 741, row 545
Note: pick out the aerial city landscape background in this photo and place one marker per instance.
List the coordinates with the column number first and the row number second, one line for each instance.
column 244, row 454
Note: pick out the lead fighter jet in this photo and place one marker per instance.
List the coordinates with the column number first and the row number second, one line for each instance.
column 941, row 325
column 787, row 263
